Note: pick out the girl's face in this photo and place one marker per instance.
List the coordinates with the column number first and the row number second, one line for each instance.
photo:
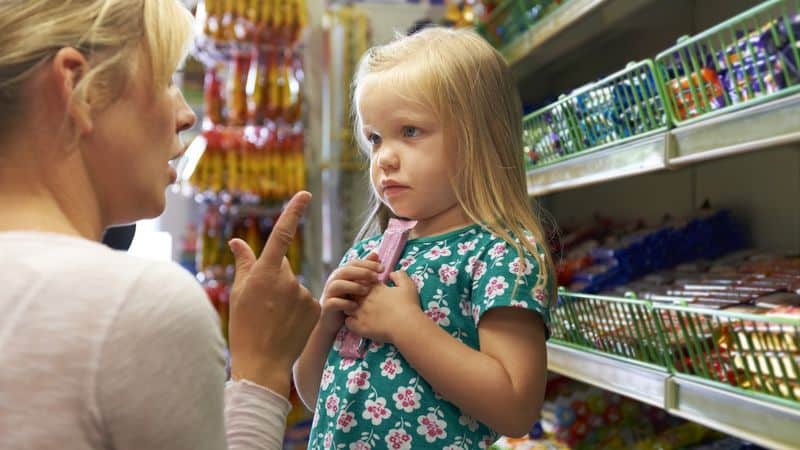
column 131, row 144
column 410, row 163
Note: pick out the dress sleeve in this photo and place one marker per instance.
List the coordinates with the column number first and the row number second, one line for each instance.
column 500, row 278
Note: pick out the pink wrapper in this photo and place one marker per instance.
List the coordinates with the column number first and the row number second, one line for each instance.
column 392, row 245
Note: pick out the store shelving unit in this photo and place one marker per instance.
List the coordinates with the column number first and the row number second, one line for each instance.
column 760, row 418
column 764, row 422
column 568, row 27
column 760, row 127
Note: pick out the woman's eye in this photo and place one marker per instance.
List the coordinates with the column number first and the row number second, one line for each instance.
column 410, row 132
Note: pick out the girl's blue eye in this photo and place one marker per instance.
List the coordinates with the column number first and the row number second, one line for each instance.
column 374, row 139
column 410, row 132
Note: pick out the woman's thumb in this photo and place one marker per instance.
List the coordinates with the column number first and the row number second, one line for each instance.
column 244, row 260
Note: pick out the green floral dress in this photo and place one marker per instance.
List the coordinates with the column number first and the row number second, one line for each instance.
column 380, row 401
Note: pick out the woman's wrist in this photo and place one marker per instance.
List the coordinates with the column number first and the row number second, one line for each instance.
column 274, row 377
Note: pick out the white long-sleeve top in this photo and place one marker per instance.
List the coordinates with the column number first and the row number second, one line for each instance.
column 103, row 350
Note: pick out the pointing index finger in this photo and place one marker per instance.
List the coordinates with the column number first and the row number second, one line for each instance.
column 284, row 230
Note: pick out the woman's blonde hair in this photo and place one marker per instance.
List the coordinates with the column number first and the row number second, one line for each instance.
column 108, row 32
column 469, row 86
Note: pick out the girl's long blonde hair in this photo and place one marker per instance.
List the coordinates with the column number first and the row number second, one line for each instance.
column 470, row 88
column 108, row 32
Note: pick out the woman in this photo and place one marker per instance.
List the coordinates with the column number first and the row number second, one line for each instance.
column 99, row 349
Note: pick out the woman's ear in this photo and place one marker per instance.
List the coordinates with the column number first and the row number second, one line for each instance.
column 69, row 67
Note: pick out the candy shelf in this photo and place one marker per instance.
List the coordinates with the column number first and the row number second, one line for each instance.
column 760, row 127
column 760, row 421
column 717, row 368
column 748, row 59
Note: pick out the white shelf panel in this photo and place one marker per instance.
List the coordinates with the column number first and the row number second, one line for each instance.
column 631, row 380
column 763, row 422
column 640, row 156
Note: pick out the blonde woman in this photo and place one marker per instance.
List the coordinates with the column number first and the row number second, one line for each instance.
column 458, row 338
column 98, row 349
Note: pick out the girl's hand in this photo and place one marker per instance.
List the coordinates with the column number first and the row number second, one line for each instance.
column 385, row 310
column 345, row 286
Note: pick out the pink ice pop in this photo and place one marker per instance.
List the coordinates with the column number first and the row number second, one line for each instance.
column 392, row 244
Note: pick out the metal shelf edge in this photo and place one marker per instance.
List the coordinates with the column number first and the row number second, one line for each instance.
column 631, row 380
column 647, row 154
column 761, row 422
column 766, row 125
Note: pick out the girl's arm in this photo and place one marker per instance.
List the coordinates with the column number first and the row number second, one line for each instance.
column 502, row 385
column 308, row 368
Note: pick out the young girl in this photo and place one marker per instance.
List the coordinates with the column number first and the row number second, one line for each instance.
column 457, row 353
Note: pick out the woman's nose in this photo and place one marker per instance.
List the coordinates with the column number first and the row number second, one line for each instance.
column 186, row 118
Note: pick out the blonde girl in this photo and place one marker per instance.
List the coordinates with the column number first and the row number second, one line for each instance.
column 457, row 353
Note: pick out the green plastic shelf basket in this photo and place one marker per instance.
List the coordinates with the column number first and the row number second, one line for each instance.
column 753, row 354
column 749, row 59
column 624, row 328
column 622, row 106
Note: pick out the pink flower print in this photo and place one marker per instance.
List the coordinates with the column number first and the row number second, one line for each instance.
column 476, row 313
column 337, row 343
column 328, row 440
column 464, row 247
column 431, row 427
column 520, row 268
column 437, row 252
column 349, row 256
column 448, row 274
column 407, row 261
column 475, row 267
column 346, row 421
column 360, row 445
column 438, row 314
column 496, row 286
column 327, row 377
column 453, row 447
column 357, row 380
column 332, row 405
column 539, row 295
column 347, row 363
column 498, row 250
column 519, row 304
column 466, row 307
column 469, row 422
column 486, row 442
column 391, row 368
column 376, row 410
column 398, row 440
column 370, row 246
column 418, row 281
column 406, row 399
column 374, row 346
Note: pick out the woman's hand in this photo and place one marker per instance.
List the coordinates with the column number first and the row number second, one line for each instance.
column 271, row 313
